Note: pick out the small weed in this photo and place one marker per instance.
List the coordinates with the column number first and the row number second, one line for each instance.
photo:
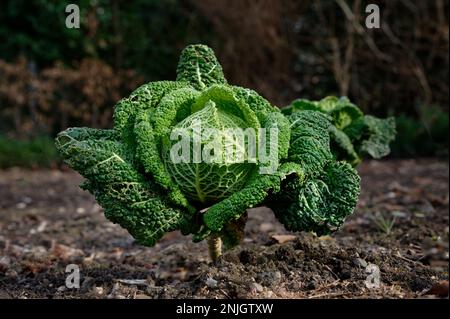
column 385, row 225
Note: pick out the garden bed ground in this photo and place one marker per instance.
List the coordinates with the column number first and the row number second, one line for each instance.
column 47, row 222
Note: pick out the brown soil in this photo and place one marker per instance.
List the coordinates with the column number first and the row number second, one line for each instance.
column 47, row 222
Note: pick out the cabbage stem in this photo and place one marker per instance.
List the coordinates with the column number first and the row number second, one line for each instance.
column 214, row 247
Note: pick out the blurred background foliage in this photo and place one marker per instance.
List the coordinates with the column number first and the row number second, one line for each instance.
column 52, row 77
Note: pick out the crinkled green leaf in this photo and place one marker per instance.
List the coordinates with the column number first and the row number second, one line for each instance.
column 342, row 111
column 145, row 97
column 342, row 147
column 372, row 135
column 278, row 122
column 174, row 107
column 310, row 140
column 257, row 103
column 227, row 102
column 300, row 105
column 319, row 204
column 253, row 194
column 198, row 66
column 128, row 198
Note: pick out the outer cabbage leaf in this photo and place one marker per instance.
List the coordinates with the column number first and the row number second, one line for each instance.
column 342, row 146
column 372, row 135
column 174, row 107
column 198, row 66
column 231, row 208
column 276, row 139
column 145, row 97
column 310, row 141
column 127, row 197
column 342, row 111
column 257, row 103
column 319, row 204
column 301, row 105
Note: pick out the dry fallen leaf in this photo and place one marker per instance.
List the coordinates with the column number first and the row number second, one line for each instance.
column 281, row 239
column 66, row 252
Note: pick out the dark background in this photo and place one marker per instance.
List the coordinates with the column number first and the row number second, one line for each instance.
column 52, row 77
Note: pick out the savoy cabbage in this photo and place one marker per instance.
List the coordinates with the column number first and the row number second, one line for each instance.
column 353, row 134
column 131, row 172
